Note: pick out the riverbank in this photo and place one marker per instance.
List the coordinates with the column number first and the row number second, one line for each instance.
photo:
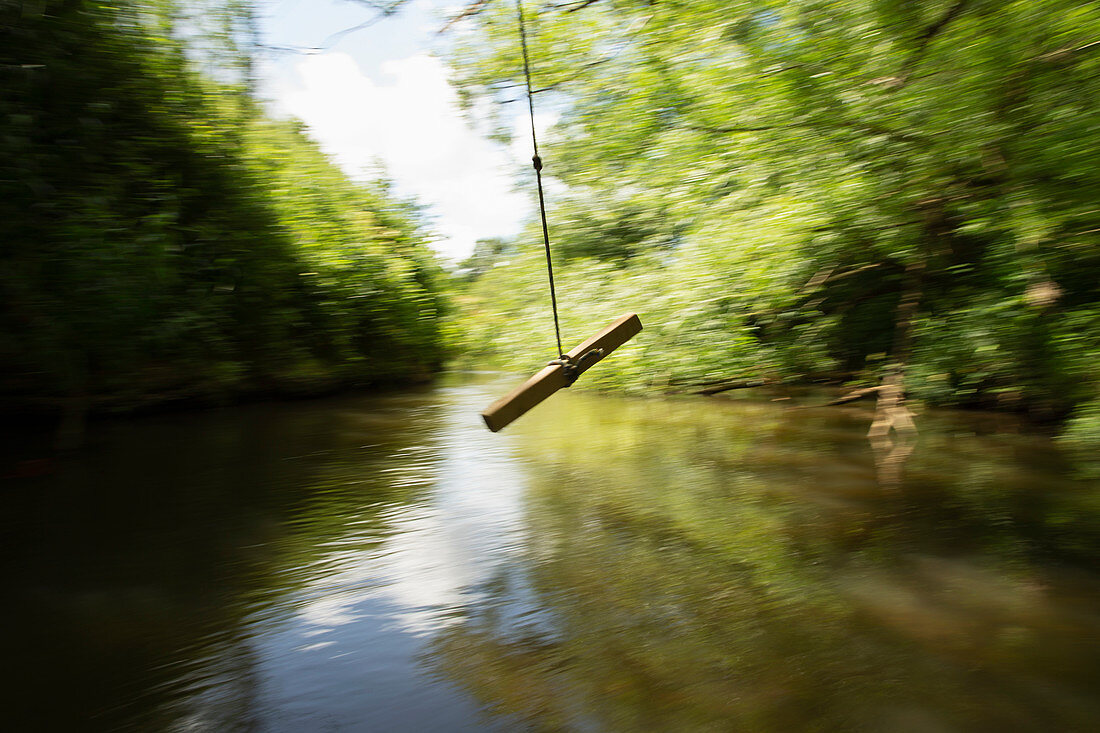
column 67, row 417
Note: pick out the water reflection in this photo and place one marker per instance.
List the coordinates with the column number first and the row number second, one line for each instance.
column 738, row 567
column 343, row 646
column 890, row 458
column 385, row 563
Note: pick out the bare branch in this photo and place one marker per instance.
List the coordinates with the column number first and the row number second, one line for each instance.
column 848, row 273
column 858, row 394
column 732, row 384
column 573, row 77
column 1065, row 54
column 924, row 39
column 338, row 35
column 735, row 130
column 905, row 137
column 385, row 10
column 581, row 6
column 470, row 11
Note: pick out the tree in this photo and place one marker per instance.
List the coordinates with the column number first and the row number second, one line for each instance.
column 162, row 239
column 487, row 254
column 910, row 179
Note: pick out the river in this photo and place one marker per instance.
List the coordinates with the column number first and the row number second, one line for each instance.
column 384, row 563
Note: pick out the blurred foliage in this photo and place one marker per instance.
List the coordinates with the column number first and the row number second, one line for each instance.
column 487, row 254
column 767, row 183
column 1083, row 436
column 162, row 238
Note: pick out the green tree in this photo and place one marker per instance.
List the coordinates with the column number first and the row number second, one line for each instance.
column 880, row 187
column 487, row 254
column 163, row 239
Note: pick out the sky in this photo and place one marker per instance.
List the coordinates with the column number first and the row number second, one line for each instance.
column 380, row 94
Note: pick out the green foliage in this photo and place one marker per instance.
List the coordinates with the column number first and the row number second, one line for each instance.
column 487, row 254
column 1083, row 435
column 162, row 238
column 793, row 188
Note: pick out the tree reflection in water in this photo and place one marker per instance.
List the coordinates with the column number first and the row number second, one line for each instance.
column 740, row 568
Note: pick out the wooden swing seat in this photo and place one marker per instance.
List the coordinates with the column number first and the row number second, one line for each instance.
column 552, row 377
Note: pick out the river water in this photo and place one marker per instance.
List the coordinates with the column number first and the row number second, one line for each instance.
column 384, row 563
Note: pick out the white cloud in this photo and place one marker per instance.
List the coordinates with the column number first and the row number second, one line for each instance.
column 410, row 120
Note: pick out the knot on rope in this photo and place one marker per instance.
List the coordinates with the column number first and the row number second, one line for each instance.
column 537, row 161
column 571, row 368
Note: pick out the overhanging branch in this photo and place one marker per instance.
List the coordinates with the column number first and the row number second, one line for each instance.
column 469, row 11
column 925, row 39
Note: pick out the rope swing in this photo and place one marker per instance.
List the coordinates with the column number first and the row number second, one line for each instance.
column 536, row 161
column 564, row 370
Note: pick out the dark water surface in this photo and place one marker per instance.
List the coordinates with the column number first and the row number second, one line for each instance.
column 384, row 563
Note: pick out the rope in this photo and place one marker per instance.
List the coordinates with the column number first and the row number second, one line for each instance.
column 537, row 163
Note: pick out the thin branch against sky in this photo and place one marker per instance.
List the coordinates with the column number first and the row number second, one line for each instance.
column 373, row 90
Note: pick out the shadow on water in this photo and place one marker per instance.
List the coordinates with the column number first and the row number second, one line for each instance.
column 385, row 563
column 141, row 571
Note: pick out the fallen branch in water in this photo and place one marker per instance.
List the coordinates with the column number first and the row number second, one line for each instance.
column 725, row 386
column 858, row 394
